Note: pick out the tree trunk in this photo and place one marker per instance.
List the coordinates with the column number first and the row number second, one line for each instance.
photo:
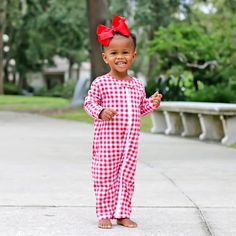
column 22, row 84
column 77, row 71
column 1, row 63
column 71, row 63
column 5, row 71
column 97, row 14
column 152, row 64
column 2, row 27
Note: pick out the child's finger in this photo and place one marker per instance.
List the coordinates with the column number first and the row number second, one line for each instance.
column 157, row 94
column 159, row 97
column 109, row 113
column 106, row 116
column 113, row 112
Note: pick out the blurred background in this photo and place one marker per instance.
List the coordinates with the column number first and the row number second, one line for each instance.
column 186, row 49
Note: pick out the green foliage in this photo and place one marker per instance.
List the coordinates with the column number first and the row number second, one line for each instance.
column 39, row 30
column 208, row 56
column 216, row 93
column 56, row 91
column 144, row 17
column 65, row 90
column 64, row 25
column 172, row 88
column 151, row 87
column 121, row 8
column 68, row 89
column 183, row 44
column 149, row 16
column 11, row 89
column 201, row 45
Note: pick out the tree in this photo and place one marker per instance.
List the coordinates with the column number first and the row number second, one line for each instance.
column 2, row 29
column 150, row 15
column 144, row 17
column 41, row 29
column 97, row 14
column 189, row 47
column 207, row 56
column 64, row 29
column 20, row 27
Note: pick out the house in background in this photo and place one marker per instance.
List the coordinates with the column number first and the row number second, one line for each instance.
column 57, row 74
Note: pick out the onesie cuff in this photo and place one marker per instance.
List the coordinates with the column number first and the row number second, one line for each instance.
column 97, row 112
column 154, row 107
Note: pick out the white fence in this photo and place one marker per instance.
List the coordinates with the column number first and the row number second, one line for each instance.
column 207, row 121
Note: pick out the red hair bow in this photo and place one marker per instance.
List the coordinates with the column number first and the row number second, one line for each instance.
column 118, row 25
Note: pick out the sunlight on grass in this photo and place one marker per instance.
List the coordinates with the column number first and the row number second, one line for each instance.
column 56, row 108
column 77, row 114
column 146, row 123
column 233, row 145
column 31, row 103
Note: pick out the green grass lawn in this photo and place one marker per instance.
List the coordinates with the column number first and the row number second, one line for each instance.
column 54, row 107
column 233, row 145
column 18, row 103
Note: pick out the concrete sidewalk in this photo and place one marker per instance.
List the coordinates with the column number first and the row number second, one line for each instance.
column 183, row 187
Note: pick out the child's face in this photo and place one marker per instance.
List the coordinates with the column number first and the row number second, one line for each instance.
column 119, row 55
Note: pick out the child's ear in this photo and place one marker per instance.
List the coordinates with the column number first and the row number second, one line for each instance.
column 104, row 58
column 134, row 54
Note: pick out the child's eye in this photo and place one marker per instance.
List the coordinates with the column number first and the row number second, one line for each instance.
column 126, row 52
column 113, row 53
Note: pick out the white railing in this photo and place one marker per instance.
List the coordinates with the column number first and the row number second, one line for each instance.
column 207, row 121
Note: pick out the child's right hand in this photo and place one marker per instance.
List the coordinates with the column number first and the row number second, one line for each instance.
column 107, row 114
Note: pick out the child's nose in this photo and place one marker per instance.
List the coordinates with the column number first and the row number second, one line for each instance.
column 119, row 55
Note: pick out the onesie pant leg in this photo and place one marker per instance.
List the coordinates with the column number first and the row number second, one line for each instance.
column 126, row 188
column 114, row 187
column 104, row 172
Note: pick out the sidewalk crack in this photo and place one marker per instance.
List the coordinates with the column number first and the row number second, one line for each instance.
column 201, row 215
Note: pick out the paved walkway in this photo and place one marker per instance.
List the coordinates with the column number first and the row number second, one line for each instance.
column 183, row 187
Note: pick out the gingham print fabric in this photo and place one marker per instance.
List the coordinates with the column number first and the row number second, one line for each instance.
column 115, row 142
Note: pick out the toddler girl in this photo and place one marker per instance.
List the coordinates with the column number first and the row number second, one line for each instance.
column 116, row 101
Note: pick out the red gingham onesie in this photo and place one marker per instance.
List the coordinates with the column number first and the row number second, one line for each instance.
column 115, row 142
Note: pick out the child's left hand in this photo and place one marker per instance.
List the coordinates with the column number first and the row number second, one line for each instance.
column 156, row 98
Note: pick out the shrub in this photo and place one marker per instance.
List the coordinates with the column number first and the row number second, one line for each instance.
column 56, row 91
column 68, row 89
column 65, row 90
column 172, row 88
column 151, row 87
column 216, row 93
column 11, row 89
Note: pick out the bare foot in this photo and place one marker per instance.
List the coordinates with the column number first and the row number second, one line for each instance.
column 104, row 224
column 127, row 223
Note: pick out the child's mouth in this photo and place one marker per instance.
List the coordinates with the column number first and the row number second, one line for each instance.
column 121, row 63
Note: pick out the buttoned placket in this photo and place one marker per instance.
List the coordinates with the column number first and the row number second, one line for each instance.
column 118, row 206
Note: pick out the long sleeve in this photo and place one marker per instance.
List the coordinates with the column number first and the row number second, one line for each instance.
column 147, row 105
column 92, row 104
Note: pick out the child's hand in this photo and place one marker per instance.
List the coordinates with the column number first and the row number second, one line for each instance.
column 156, row 98
column 107, row 114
